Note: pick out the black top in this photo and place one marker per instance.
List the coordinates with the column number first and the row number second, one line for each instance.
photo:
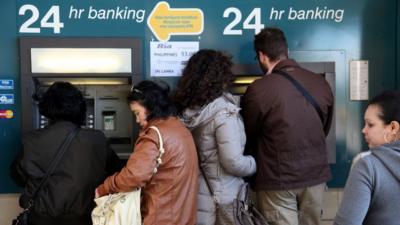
column 68, row 195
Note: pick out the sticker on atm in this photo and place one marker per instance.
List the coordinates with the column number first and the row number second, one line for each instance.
column 6, row 99
column 6, row 114
column 6, row 84
column 108, row 120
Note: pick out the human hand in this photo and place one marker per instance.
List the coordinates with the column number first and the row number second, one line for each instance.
column 96, row 195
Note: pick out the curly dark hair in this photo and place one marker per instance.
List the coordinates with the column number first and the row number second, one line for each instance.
column 154, row 97
column 206, row 76
column 63, row 101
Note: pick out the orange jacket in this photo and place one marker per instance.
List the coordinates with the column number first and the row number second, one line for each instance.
column 170, row 195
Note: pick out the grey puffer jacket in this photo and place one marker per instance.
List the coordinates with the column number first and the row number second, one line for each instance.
column 219, row 135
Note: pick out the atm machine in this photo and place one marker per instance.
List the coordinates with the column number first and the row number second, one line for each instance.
column 104, row 69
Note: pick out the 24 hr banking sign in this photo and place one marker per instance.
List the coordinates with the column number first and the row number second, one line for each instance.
column 166, row 18
column 186, row 25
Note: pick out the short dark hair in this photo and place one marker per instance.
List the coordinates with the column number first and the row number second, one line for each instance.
column 63, row 101
column 389, row 104
column 154, row 97
column 206, row 76
column 272, row 42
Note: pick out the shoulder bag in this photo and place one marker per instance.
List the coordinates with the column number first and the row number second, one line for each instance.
column 244, row 210
column 123, row 208
column 22, row 218
column 240, row 212
column 305, row 93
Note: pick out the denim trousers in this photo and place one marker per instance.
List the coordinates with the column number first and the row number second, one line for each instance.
column 301, row 206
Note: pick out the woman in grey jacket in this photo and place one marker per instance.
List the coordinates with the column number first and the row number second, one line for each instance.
column 372, row 191
column 212, row 115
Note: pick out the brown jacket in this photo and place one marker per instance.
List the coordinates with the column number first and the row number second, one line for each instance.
column 284, row 131
column 169, row 196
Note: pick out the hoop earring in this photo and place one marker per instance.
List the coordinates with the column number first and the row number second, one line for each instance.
column 385, row 138
column 396, row 138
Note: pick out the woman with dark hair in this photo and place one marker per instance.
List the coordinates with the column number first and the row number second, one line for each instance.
column 212, row 115
column 372, row 192
column 169, row 195
column 67, row 197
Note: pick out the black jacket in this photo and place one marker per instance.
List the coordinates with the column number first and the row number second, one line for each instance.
column 284, row 130
column 68, row 195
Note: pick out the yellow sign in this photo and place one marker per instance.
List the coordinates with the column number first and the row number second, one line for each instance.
column 164, row 21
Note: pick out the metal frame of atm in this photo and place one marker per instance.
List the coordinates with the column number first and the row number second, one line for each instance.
column 27, row 77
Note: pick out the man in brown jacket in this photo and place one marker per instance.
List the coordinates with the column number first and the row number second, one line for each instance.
column 286, row 134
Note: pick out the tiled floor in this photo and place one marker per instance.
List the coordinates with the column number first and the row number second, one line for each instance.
column 327, row 222
column 332, row 200
column 8, row 208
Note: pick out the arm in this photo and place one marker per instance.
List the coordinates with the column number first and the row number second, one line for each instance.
column 357, row 195
column 138, row 170
column 114, row 163
column 230, row 149
column 328, row 122
column 251, row 117
column 17, row 172
column 329, row 118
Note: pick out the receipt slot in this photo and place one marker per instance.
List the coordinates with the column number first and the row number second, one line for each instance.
column 104, row 69
column 108, row 120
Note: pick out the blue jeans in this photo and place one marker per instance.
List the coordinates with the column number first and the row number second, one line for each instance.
column 301, row 206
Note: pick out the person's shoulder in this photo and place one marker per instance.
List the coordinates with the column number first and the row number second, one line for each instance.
column 359, row 156
column 33, row 133
column 165, row 126
column 226, row 102
column 265, row 79
column 163, row 123
column 91, row 133
column 364, row 163
column 32, row 136
column 36, row 135
column 267, row 83
column 316, row 77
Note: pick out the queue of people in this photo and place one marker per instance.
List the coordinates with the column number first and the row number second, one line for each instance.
column 212, row 143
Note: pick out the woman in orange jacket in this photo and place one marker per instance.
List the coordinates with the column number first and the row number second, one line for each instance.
column 170, row 195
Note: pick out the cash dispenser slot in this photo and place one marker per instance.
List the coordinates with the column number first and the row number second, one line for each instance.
column 109, row 120
column 241, row 83
column 245, row 74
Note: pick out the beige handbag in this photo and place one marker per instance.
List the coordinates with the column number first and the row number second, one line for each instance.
column 118, row 209
column 123, row 208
